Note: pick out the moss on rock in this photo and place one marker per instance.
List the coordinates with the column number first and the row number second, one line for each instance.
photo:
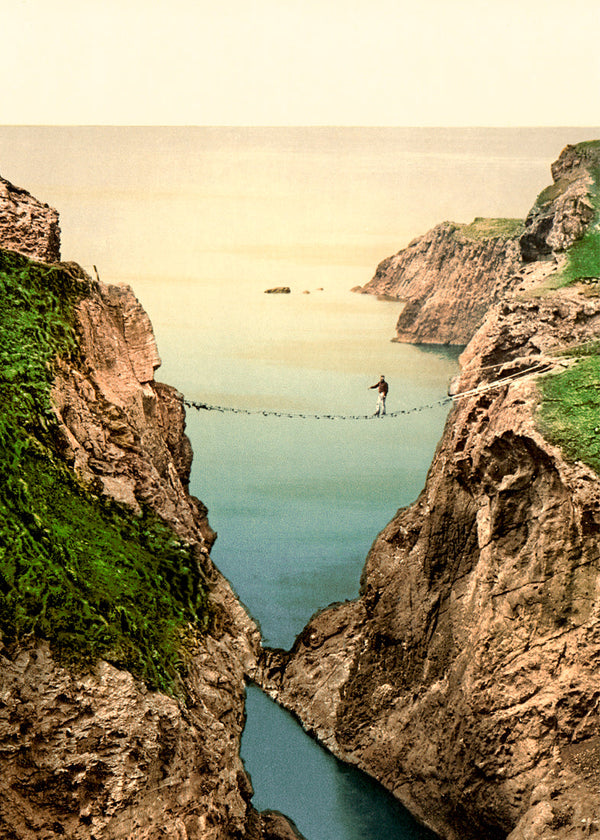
column 90, row 576
column 569, row 411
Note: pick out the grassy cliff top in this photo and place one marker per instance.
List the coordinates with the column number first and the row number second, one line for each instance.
column 583, row 257
column 481, row 228
column 89, row 576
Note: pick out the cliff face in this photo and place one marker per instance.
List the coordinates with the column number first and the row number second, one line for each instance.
column 94, row 753
column 465, row 676
column 122, row 431
column 448, row 278
column 563, row 210
column 28, row 226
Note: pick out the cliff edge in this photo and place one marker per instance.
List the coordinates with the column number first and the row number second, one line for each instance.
column 465, row 676
column 448, row 278
column 123, row 651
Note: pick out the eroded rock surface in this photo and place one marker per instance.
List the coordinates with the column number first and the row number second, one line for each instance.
column 465, row 677
column 27, row 225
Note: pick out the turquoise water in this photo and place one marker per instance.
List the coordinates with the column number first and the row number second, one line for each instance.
column 297, row 503
column 200, row 221
column 327, row 799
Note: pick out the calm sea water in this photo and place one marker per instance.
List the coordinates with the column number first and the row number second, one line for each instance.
column 200, row 221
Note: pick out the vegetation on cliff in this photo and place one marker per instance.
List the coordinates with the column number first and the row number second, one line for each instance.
column 89, row 576
column 569, row 413
column 482, row 228
column 583, row 257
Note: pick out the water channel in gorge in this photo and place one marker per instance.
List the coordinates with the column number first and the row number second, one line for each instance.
column 200, row 221
column 297, row 503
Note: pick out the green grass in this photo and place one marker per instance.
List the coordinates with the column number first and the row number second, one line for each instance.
column 481, row 228
column 583, row 257
column 88, row 575
column 569, row 411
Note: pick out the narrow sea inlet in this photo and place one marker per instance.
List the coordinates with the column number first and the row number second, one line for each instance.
column 297, row 504
column 201, row 222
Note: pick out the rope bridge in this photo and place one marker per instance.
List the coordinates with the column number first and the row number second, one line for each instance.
column 536, row 369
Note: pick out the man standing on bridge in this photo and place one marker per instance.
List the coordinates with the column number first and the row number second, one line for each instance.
column 382, row 391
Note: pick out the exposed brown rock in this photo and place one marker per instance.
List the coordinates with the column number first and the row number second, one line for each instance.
column 465, row 677
column 447, row 280
column 27, row 225
column 98, row 756
column 122, row 431
column 564, row 210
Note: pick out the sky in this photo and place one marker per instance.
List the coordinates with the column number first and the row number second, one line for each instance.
column 300, row 62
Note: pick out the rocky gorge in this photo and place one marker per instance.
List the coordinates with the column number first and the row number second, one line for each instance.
column 464, row 676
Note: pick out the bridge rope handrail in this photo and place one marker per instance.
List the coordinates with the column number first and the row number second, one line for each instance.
column 533, row 370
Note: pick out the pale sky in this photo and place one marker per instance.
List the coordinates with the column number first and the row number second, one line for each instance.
column 300, row 62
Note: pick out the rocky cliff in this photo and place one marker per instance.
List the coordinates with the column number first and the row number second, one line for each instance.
column 89, row 749
column 448, row 278
column 562, row 211
column 27, row 225
column 465, row 676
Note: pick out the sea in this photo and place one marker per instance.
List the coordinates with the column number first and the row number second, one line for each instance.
column 201, row 221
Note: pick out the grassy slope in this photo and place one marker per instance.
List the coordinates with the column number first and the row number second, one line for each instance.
column 569, row 413
column 583, row 258
column 481, row 228
column 75, row 569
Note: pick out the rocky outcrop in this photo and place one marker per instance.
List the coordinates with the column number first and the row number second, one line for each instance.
column 448, row 279
column 27, row 225
column 464, row 677
column 122, row 431
column 90, row 755
column 563, row 210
